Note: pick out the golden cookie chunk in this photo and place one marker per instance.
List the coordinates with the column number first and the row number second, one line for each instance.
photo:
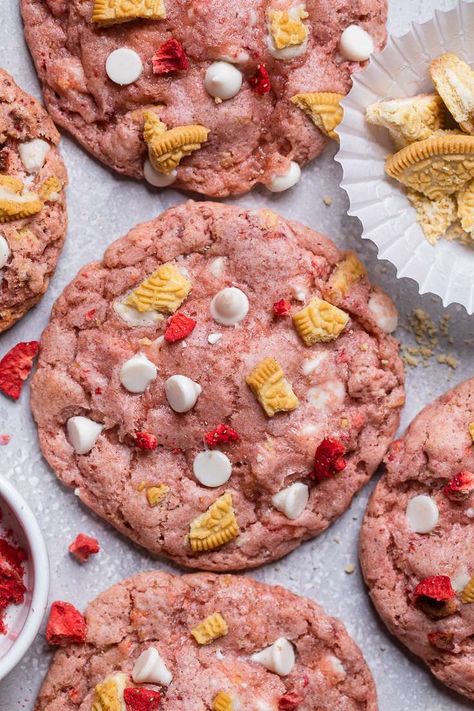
column 215, row 527
column 15, row 204
column 222, row 702
column 436, row 166
column 319, row 321
column 471, row 430
column 167, row 147
column 274, row 392
column 165, row 290
column 467, row 595
column 156, row 494
column 286, row 26
column 324, row 109
column 454, row 81
column 211, row 628
column 111, row 12
column 408, row 119
column 465, row 200
column 50, row 189
column 434, row 216
column 108, row 695
column 346, row 273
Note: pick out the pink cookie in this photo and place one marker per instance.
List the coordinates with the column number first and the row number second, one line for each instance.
column 417, row 542
column 33, row 216
column 320, row 669
column 156, row 451
column 253, row 136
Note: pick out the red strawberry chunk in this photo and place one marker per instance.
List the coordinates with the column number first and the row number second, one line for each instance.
column 289, row 701
column 260, row 82
column 179, row 326
column 16, row 366
column 170, row 57
column 65, row 625
column 329, row 459
column 146, row 440
column 281, row 308
column 436, row 587
column 141, row 699
column 460, row 487
column 222, row 434
column 83, row 547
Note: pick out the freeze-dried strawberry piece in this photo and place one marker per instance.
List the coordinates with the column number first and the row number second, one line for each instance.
column 222, row 434
column 141, row 699
column 65, row 625
column 83, row 547
column 281, row 308
column 460, row 487
column 146, row 440
column 289, row 701
column 260, row 82
column 442, row 640
column 16, row 366
column 170, row 57
column 436, row 587
column 329, row 459
column 179, row 326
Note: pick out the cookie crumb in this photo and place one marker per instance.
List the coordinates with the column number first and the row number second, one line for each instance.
column 349, row 568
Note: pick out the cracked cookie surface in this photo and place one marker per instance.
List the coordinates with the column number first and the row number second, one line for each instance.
column 158, row 610
column 349, row 388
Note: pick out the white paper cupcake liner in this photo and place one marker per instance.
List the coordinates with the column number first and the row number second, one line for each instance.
column 388, row 219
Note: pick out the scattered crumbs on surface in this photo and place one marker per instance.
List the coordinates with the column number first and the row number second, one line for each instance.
column 382, row 648
column 337, row 539
column 327, row 200
column 431, row 339
column 354, row 518
column 349, row 568
column 4, row 439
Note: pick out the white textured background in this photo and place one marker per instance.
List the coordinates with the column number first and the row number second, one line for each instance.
column 103, row 207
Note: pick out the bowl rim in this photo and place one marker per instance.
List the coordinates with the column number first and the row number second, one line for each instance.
column 40, row 561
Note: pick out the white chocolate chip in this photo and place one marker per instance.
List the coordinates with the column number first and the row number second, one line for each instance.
column 212, row 468
column 158, row 180
column 329, row 394
column 133, row 317
column 222, row 80
column 229, row 306
column 33, row 154
column 217, row 266
column 182, row 392
column 356, row 44
column 123, row 66
column 137, row 373
column 239, row 57
column 310, row 364
column 151, row 669
column 278, row 658
column 213, row 338
column 337, row 665
column 422, row 514
column 4, row 251
column 82, row 433
column 284, row 181
column 292, row 501
column 469, row 512
column 383, row 311
column 460, row 580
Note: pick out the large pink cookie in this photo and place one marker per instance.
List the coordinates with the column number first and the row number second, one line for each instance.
column 30, row 242
column 349, row 389
column 156, row 610
column 407, row 539
column 252, row 136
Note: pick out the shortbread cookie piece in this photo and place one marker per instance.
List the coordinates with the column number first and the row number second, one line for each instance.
column 434, row 216
column 176, row 394
column 324, row 108
column 436, row 167
column 193, row 642
column 33, row 216
column 417, row 541
column 217, row 79
column 408, row 119
column 454, row 81
column 465, row 211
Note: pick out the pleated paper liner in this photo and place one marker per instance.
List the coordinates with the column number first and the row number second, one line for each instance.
column 388, row 219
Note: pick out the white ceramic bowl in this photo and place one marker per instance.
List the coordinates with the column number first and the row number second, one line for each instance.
column 387, row 217
column 23, row 621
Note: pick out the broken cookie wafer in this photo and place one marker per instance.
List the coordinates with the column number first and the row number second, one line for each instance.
column 167, row 147
column 211, row 628
column 408, row 119
column 112, row 12
column 454, row 80
column 165, row 291
column 319, row 321
column 324, row 109
column 215, row 527
column 273, row 391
